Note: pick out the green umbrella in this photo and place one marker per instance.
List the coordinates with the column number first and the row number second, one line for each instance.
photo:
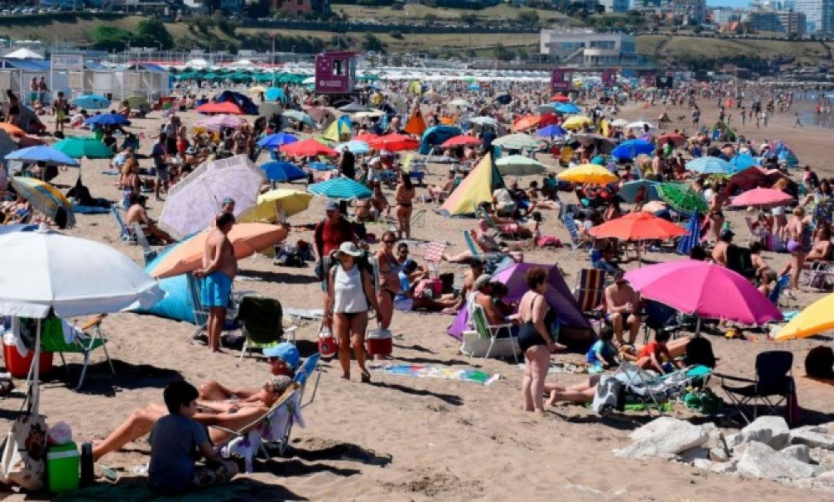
column 84, row 147
column 682, row 198
column 519, row 165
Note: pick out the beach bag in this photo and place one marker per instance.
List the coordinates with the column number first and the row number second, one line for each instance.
column 428, row 288
column 609, row 396
column 23, row 462
column 819, row 363
column 699, row 352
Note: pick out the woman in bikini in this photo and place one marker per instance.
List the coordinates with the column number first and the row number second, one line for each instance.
column 797, row 246
column 389, row 280
column 404, row 195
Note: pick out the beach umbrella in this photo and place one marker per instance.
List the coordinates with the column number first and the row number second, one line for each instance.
column 577, row 122
column 619, row 122
column 354, row 108
column 354, row 146
column 107, row 119
column 246, row 239
column 814, row 319
column 474, row 87
column 517, row 142
column 320, row 114
column 340, row 188
column 369, row 114
column 546, row 108
column 762, row 197
column 568, row 108
column 710, row 291
column 282, row 171
column 394, row 143
column 257, row 89
column 524, row 123
column 461, row 140
column 551, row 131
column 220, row 122
column 586, row 139
column 628, row 192
column 693, row 237
column 277, row 204
column 682, row 198
column 274, row 94
column 12, row 130
column 91, row 102
column 79, row 147
column 367, row 137
column 638, row 227
column 675, row 138
column 559, row 98
column 459, row 103
column 504, row 99
column 45, row 154
column 225, row 107
column 320, row 166
column 743, row 161
column 484, row 121
column 194, row 202
column 709, row 165
column 588, row 173
column 308, row 148
column 640, row 124
column 300, row 117
column 44, row 198
column 519, row 165
column 276, row 140
column 632, row 148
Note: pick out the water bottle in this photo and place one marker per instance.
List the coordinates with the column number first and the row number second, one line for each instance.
column 87, row 464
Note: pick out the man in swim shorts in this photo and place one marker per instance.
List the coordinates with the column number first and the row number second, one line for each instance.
column 219, row 271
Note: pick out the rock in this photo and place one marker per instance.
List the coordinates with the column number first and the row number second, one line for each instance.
column 701, row 463
column 734, row 440
column 761, row 461
column 723, row 467
column 770, row 430
column 670, row 436
column 718, row 454
column 657, row 426
column 693, row 454
column 799, row 452
column 822, row 429
column 812, row 439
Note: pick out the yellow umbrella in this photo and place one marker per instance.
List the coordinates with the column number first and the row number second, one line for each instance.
column 588, row 173
column 816, row 318
column 577, row 122
column 271, row 204
column 257, row 89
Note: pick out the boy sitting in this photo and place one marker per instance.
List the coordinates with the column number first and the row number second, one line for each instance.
column 602, row 354
column 175, row 440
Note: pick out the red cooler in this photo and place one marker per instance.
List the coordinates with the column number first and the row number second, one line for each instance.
column 327, row 344
column 380, row 342
column 19, row 366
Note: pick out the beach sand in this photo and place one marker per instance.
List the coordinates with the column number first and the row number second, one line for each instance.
column 414, row 439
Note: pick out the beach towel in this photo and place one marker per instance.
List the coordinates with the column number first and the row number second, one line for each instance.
column 423, row 371
column 556, row 368
column 90, row 209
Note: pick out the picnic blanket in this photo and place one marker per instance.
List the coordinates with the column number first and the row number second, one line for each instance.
column 424, row 371
column 555, row 368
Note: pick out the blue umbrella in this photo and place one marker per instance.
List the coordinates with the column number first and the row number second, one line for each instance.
column 91, row 102
column 551, row 131
column 107, row 119
column 567, row 108
column 43, row 154
column 693, row 238
column 709, row 165
column 340, row 189
column 282, row 171
column 276, row 140
column 357, row 147
column 474, row 87
column 628, row 192
column 274, row 94
column 320, row 166
column 742, row 161
column 632, row 148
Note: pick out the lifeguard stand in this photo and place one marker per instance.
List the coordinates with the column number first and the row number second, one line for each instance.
column 336, row 73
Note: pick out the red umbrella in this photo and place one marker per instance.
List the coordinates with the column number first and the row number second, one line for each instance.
column 224, row 107
column 677, row 139
column 762, row 197
column 308, row 148
column 367, row 137
column 394, row 143
column 461, row 140
column 638, row 227
column 559, row 98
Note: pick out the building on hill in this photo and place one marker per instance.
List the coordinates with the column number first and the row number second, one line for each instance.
column 302, row 6
column 690, row 11
column 819, row 15
column 779, row 21
column 615, row 6
column 586, row 48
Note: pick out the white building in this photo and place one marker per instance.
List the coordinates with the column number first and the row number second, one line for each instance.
column 690, row 11
column 618, row 6
column 588, row 48
column 819, row 15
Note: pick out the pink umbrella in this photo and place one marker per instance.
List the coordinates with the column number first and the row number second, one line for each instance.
column 762, row 197
column 219, row 122
column 704, row 289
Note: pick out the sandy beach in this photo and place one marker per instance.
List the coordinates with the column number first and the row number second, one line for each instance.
column 402, row 438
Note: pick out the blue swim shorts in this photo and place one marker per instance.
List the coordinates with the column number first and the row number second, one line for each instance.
column 216, row 290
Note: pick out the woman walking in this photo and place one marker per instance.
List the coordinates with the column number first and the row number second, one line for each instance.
column 389, row 279
column 534, row 339
column 404, row 196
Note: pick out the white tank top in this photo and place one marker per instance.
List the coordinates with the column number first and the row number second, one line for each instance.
column 348, row 291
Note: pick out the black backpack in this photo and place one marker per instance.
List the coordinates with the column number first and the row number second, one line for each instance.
column 699, row 352
column 819, row 363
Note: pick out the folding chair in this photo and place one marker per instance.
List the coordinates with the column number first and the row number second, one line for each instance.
column 659, row 318
column 433, row 256
column 576, row 242
column 491, row 331
column 774, row 379
column 261, row 323
column 139, row 237
column 201, row 313
column 52, row 340
column 820, row 275
column 508, row 231
column 494, row 261
column 124, row 232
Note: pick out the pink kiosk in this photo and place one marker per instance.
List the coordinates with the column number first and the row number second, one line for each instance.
column 336, row 75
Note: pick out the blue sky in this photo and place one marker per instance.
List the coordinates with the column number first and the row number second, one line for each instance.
column 728, row 3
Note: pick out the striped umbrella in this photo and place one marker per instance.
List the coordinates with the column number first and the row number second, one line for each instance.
column 693, row 236
column 682, row 198
column 709, row 165
column 44, row 197
column 340, row 189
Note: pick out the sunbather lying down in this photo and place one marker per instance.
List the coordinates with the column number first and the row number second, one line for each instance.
column 230, row 414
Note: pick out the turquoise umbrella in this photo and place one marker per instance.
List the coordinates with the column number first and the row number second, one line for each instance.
column 340, row 189
column 709, row 165
column 84, row 147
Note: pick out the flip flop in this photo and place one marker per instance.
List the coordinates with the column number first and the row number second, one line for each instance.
column 366, row 377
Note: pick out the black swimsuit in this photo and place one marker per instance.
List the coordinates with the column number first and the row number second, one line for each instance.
column 528, row 335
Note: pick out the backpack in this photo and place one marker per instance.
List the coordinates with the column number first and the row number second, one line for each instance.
column 367, row 265
column 819, row 363
column 699, row 352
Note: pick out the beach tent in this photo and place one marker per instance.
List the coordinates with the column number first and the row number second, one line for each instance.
column 339, row 130
column 247, row 105
column 415, row 125
column 558, row 296
column 437, row 135
column 177, row 303
column 721, row 126
column 476, row 188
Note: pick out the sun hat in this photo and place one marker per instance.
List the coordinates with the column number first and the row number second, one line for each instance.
column 349, row 249
column 331, row 205
column 284, row 351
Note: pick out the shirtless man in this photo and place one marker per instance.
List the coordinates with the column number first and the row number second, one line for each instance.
column 719, row 252
column 622, row 305
column 137, row 213
column 219, row 270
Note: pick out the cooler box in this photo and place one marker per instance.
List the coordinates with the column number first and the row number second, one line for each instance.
column 62, row 467
column 19, row 366
column 380, row 342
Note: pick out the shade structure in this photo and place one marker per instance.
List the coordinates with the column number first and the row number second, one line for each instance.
column 308, row 148
column 340, row 188
column 460, row 103
column 276, row 204
column 274, row 94
column 709, row 165
column 246, row 238
column 704, row 289
column 44, row 198
column 569, row 108
column 461, row 140
column 527, row 122
column 91, row 102
column 354, row 146
column 107, row 119
column 588, row 173
column 577, row 122
column 630, row 191
column 282, row 171
column 743, row 161
column 354, row 108
column 619, row 122
column 276, row 140
column 225, row 107
column 300, row 117
column 518, row 142
column 762, row 197
column 638, row 227
column 394, row 143
column 476, row 188
column 12, row 130
column 257, row 89
column 45, row 154
column 366, row 137
column 682, row 198
column 519, row 165
column 369, row 113
column 194, row 202
column 483, row 121
column 632, row 148
column 551, row 131
column 320, row 166
column 675, row 138
column 220, row 122
column 84, row 147
column 814, row 319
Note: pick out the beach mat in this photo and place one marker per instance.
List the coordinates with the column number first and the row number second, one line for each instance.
column 556, row 368
column 423, row 371
column 136, row 490
column 90, row 209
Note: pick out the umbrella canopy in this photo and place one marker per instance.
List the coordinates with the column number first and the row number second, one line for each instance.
column 460, row 103
column 194, row 202
column 246, row 238
column 517, row 142
column 367, row 137
column 588, row 173
column 274, row 94
column 743, row 161
column 711, row 291
column 394, row 143
column 682, row 198
column 559, row 98
column 546, row 108
column 272, row 204
column 577, row 122
column 619, row 122
column 220, row 122
column 225, row 107
column 484, row 121
column 569, row 108
column 282, row 171
column 257, row 89
column 84, row 147
column 638, row 227
column 693, row 237
column 276, row 140
column 816, row 318
column 44, row 197
column 461, row 140
column 762, row 197
column 45, row 154
column 300, row 117
column 12, row 130
column 519, row 165
column 632, row 148
column 551, row 131
column 308, row 148
column 340, row 188
column 91, row 102
column 525, row 123
column 354, row 108
column 639, row 125
column 675, row 138
column 629, row 191
column 709, row 165
column 107, row 119
column 355, row 146
column 320, row 166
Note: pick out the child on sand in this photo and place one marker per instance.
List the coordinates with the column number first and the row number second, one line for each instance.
column 651, row 355
column 602, row 354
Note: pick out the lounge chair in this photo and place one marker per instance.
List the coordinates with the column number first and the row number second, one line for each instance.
column 820, row 275
column 494, row 262
column 487, row 333
column 504, row 231
column 433, row 256
column 659, row 318
column 201, row 313
column 124, row 232
column 576, row 240
column 261, row 323
column 53, row 340
column 774, row 379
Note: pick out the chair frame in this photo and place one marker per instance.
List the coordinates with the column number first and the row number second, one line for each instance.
column 124, row 231
column 84, row 348
column 484, row 330
column 763, row 361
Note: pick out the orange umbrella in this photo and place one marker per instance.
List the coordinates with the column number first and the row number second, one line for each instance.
column 246, row 238
column 559, row 98
column 224, row 107
column 447, row 120
column 366, row 137
column 12, row 130
column 308, row 148
column 394, row 143
column 638, row 227
column 526, row 123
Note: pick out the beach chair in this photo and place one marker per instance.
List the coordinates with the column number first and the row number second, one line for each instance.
column 260, row 321
column 820, row 275
column 494, row 262
column 773, row 385
column 576, row 242
column 490, row 332
column 53, row 340
column 201, row 313
column 659, row 318
column 756, row 234
column 504, row 231
column 589, row 290
column 124, row 232
column 433, row 256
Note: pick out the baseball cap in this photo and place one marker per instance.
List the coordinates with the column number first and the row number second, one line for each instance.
column 331, row 205
column 284, row 351
column 228, row 200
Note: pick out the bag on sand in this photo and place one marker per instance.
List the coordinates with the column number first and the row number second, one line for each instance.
column 24, row 451
column 610, row 395
column 820, row 363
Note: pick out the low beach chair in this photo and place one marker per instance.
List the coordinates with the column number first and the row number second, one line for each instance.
column 504, row 231
column 124, row 232
column 433, row 256
column 820, row 275
column 53, row 340
column 201, row 313
column 491, row 332
column 576, row 242
column 589, row 289
column 494, row 261
column 772, row 386
column 261, row 323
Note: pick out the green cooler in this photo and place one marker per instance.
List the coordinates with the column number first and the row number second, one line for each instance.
column 62, row 466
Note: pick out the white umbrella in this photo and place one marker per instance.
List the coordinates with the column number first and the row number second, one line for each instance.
column 619, row 123
column 517, row 141
column 519, row 165
column 483, row 121
column 194, row 202
column 639, row 125
column 460, row 103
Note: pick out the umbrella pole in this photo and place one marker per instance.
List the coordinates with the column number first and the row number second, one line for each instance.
column 33, row 379
column 698, row 327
